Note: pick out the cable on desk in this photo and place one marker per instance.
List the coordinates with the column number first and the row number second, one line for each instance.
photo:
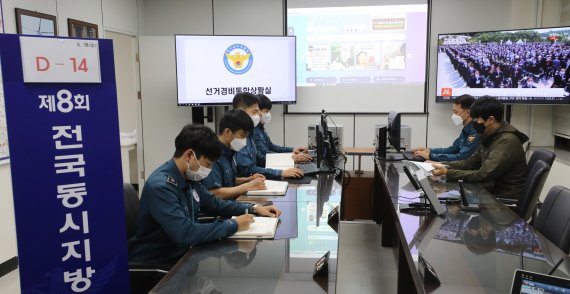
column 409, row 198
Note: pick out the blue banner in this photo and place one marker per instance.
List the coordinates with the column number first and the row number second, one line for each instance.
column 66, row 178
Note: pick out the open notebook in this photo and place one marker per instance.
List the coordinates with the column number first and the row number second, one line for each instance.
column 274, row 188
column 279, row 161
column 262, row 228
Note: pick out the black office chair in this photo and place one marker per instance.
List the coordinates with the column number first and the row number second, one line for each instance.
column 544, row 155
column 526, row 206
column 553, row 220
column 541, row 154
column 131, row 209
column 142, row 276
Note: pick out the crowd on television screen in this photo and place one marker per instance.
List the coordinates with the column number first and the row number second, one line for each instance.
column 511, row 64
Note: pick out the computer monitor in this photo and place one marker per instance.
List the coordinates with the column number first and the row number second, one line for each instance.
column 324, row 122
column 430, row 193
column 332, row 152
column 394, row 130
column 381, row 142
column 320, row 145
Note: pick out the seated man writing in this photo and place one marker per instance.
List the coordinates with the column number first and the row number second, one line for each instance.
column 233, row 130
column 262, row 141
column 172, row 197
column 246, row 159
column 500, row 162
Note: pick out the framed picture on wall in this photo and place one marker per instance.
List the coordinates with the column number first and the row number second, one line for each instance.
column 81, row 29
column 35, row 23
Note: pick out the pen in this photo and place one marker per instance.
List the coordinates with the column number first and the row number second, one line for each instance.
column 246, row 212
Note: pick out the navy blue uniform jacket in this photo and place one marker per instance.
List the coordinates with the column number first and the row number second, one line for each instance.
column 167, row 224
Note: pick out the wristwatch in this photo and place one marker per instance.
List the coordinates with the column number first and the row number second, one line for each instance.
column 254, row 208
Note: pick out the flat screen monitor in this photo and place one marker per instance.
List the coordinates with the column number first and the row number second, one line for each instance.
column 210, row 70
column 368, row 47
column 381, row 142
column 430, row 193
column 394, row 130
column 324, row 122
column 516, row 66
column 331, row 152
column 320, row 146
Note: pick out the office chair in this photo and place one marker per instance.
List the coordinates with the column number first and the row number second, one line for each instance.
column 541, row 154
column 131, row 209
column 544, row 155
column 526, row 206
column 553, row 220
column 142, row 276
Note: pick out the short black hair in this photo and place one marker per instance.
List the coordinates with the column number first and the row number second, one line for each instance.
column 244, row 100
column 199, row 138
column 487, row 106
column 235, row 120
column 264, row 102
column 464, row 101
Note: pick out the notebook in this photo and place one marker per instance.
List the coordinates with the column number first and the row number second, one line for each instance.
column 262, row 228
column 279, row 161
column 529, row 282
column 274, row 188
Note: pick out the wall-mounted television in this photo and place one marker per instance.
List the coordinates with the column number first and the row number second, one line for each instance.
column 516, row 66
column 210, row 70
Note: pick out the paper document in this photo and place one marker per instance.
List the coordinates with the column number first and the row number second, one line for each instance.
column 262, row 228
column 425, row 166
column 279, row 161
column 274, row 188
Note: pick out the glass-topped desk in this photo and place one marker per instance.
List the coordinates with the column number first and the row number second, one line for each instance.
column 282, row 265
column 471, row 252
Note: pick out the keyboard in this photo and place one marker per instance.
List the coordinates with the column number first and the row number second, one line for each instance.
column 408, row 155
column 308, row 168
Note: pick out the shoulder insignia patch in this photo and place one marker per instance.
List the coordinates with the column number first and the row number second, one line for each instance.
column 171, row 180
column 471, row 138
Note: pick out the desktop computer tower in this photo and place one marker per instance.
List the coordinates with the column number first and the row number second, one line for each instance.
column 312, row 135
column 405, row 140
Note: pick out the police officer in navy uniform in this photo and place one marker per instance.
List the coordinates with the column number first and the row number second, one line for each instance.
column 235, row 125
column 247, row 160
column 468, row 141
column 263, row 142
column 172, row 197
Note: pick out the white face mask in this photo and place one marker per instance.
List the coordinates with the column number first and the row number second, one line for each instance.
column 266, row 118
column 237, row 144
column 457, row 120
column 201, row 174
column 255, row 119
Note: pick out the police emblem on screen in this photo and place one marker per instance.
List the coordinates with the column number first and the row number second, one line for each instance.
column 238, row 59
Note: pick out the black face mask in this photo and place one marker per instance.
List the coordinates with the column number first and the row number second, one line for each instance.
column 479, row 128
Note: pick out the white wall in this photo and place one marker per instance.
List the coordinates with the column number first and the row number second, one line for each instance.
column 119, row 18
column 162, row 118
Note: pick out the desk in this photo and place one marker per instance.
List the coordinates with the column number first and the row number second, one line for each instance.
column 359, row 151
column 463, row 262
column 282, row 265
